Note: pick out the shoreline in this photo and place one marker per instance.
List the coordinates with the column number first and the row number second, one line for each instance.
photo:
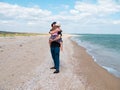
column 95, row 77
column 109, row 69
column 96, row 59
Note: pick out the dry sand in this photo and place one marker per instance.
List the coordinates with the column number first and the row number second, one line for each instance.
column 25, row 65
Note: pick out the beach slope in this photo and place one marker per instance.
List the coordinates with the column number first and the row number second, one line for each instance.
column 25, row 65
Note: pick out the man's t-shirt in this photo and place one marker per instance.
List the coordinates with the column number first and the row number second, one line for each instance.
column 55, row 44
column 60, row 32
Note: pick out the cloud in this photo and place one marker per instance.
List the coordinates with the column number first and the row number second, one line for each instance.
column 19, row 12
column 116, row 22
column 103, row 7
column 19, row 18
column 95, row 16
column 95, row 13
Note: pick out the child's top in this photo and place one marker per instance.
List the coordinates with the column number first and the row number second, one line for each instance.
column 54, row 35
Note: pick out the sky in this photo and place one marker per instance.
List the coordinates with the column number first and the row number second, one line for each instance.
column 75, row 16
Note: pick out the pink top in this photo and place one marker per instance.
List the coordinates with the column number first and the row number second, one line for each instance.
column 56, row 33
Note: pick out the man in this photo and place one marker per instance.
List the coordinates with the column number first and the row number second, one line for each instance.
column 55, row 49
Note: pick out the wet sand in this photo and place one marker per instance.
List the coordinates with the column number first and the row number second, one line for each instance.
column 91, row 74
column 25, row 65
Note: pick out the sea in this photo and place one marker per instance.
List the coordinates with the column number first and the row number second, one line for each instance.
column 104, row 49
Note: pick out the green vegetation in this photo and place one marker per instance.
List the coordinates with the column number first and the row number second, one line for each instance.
column 12, row 34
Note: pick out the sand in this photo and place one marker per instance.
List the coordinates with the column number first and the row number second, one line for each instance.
column 25, row 65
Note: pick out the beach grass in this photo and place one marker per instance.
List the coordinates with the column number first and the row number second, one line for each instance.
column 13, row 34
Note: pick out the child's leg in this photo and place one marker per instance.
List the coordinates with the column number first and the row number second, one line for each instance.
column 49, row 42
column 61, row 46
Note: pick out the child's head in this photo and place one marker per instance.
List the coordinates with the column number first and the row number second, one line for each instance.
column 57, row 24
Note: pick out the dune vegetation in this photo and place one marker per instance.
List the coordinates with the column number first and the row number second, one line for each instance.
column 12, row 34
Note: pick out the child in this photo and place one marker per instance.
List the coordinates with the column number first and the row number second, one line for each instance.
column 57, row 32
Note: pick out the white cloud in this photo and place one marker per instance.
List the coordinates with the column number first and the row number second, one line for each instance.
column 92, row 14
column 74, row 12
column 103, row 7
column 116, row 22
column 18, row 12
column 18, row 18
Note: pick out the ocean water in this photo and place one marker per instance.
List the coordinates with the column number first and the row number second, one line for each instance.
column 104, row 48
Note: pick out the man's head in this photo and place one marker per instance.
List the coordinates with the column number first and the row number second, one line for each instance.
column 55, row 24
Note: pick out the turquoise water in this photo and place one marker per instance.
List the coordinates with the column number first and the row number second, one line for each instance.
column 104, row 48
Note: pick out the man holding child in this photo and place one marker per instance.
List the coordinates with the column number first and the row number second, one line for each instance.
column 55, row 42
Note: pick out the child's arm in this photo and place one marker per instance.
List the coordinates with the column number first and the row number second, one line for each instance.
column 54, row 31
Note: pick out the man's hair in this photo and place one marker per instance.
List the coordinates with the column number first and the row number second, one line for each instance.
column 53, row 24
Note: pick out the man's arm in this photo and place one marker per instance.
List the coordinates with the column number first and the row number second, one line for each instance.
column 54, row 31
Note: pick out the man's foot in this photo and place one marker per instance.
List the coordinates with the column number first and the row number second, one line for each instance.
column 57, row 71
column 52, row 68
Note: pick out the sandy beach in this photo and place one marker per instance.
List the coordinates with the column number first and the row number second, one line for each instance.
column 25, row 63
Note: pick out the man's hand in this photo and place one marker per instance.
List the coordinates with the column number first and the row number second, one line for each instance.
column 58, row 37
column 51, row 40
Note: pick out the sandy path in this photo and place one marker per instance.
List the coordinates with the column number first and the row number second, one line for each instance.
column 25, row 63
